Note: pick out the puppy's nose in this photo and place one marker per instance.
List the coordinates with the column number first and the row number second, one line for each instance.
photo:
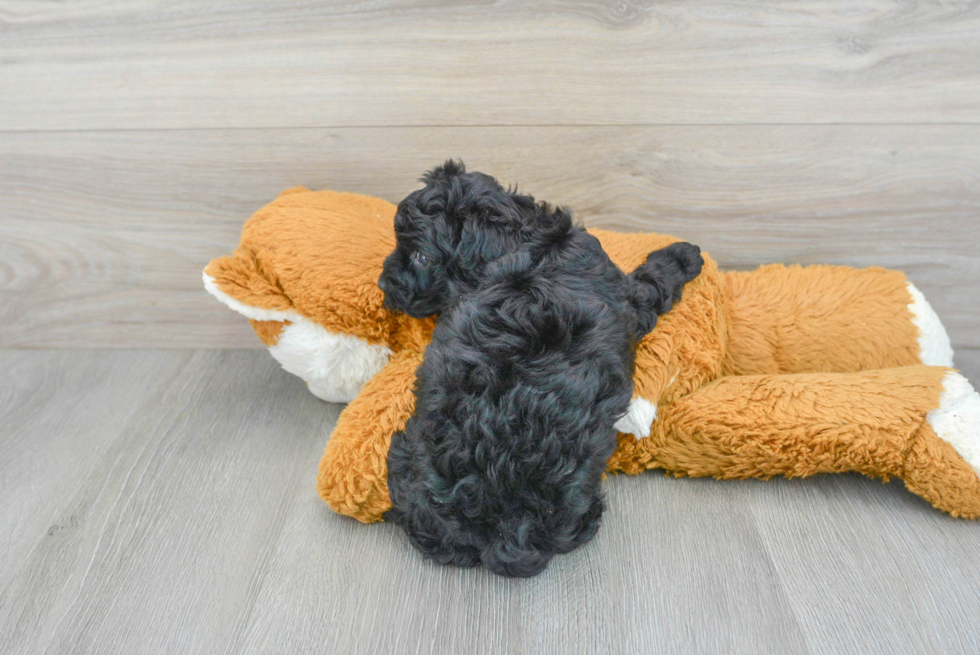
column 382, row 284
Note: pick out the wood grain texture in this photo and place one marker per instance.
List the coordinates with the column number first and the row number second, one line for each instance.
column 657, row 578
column 103, row 235
column 132, row 65
column 160, row 546
column 59, row 414
column 195, row 528
column 871, row 568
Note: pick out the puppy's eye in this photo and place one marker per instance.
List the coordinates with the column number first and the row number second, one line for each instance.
column 420, row 258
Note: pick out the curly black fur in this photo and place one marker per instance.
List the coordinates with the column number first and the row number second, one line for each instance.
column 529, row 368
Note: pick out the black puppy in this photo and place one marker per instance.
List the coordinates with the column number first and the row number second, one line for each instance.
column 529, row 368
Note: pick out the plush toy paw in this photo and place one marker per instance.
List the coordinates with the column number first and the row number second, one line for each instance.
column 934, row 344
column 942, row 463
column 957, row 419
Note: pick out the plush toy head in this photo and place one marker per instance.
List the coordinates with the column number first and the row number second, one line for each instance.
column 306, row 273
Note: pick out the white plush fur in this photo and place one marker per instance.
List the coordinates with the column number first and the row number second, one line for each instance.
column 641, row 415
column 933, row 340
column 335, row 366
column 957, row 419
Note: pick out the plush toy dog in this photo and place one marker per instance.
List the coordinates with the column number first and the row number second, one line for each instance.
column 781, row 371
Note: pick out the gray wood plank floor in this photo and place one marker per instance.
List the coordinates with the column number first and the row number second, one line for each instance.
column 163, row 501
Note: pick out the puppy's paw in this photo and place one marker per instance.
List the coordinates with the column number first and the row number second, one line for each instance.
column 687, row 257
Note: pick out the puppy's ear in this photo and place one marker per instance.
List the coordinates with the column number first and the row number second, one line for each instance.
column 451, row 168
column 479, row 242
column 550, row 222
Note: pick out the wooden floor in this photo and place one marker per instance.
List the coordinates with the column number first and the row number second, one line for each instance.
column 162, row 501
column 157, row 486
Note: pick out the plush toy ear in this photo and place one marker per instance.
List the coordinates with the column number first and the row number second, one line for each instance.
column 241, row 283
column 238, row 282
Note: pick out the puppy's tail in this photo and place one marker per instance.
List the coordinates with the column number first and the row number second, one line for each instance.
column 511, row 553
column 508, row 558
column 658, row 283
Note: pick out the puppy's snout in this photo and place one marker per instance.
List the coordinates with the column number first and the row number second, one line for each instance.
column 392, row 291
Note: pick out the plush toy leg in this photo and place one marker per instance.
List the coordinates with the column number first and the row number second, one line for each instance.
column 353, row 476
column 792, row 319
column 919, row 423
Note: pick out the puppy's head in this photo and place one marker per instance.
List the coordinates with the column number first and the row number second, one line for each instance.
column 448, row 231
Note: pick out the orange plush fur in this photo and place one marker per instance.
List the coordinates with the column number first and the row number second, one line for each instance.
column 785, row 371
